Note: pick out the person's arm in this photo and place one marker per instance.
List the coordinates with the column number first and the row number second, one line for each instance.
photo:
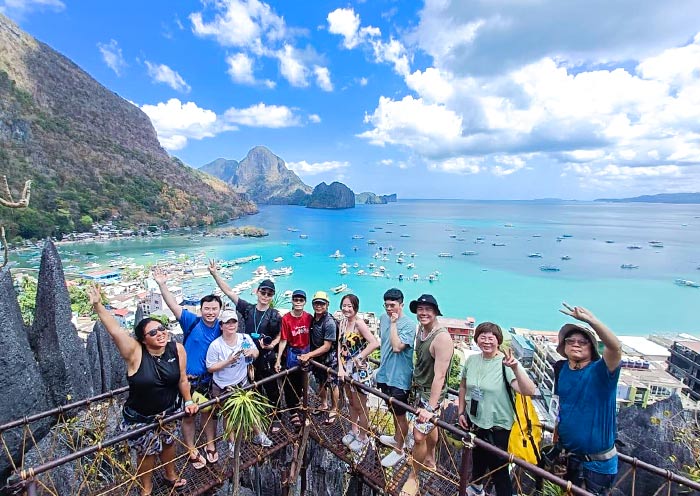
column 162, row 280
column 223, row 286
column 184, row 384
column 128, row 347
column 278, row 362
column 322, row 350
column 397, row 346
column 522, row 382
column 442, row 349
column 372, row 342
column 462, row 403
column 612, row 354
column 213, row 360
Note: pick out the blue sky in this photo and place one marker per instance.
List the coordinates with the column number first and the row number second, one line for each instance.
column 498, row 99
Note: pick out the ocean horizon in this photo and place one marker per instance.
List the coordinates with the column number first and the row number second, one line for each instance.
column 501, row 282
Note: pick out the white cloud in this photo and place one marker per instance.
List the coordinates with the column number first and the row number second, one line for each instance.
column 363, row 81
column 311, row 169
column 18, row 9
column 292, row 67
column 345, row 22
column 161, row 73
column 431, row 85
column 240, row 68
column 261, row 115
column 459, row 165
column 394, row 53
column 315, row 118
column 112, row 56
column 323, row 78
column 176, row 122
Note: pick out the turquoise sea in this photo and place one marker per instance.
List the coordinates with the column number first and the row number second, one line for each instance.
column 499, row 283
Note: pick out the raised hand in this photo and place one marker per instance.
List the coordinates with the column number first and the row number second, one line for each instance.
column 94, row 294
column 509, row 360
column 212, row 267
column 579, row 313
column 159, row 275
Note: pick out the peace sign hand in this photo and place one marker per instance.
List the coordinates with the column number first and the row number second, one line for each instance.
column 579, row 313
column 509, row 360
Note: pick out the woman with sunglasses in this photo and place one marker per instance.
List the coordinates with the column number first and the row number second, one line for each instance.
column 157, row 379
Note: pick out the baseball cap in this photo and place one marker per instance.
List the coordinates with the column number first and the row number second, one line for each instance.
column 320, row 295
column 227, row 315
column 299, row 292
column 267, row 284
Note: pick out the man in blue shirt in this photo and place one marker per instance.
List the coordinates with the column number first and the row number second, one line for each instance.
column 397, row 333
column 198, row 333
column 586, row 388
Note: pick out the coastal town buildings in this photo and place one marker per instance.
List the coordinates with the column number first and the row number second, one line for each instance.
column 684, row 364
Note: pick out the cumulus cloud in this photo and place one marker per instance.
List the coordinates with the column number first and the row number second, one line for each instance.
column 311, row 169
column 112, row 56
column 177, row 122
column 161, row 73
column 346, row 23
column 323, row 78
column 261, row 115
column 240, row 68
column 18, row 9
column 315, row 118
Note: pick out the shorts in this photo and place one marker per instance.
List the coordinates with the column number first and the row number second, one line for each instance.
column 396, row 393
column 323, row 379
column 151, row 442
column 423, row 427
column 217, row 390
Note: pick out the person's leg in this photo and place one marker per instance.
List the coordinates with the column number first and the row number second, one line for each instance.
column 360, row 401
column 353, row 407
column 166, row 457
column 188, row 433
column 400, row 431
column 480, row 461
column 574, row 470
column 210, row 421
column 501, row 477
column 431, row 441
column 419, row 451
column 293, row 390
column 597, row 483
column 145, row 473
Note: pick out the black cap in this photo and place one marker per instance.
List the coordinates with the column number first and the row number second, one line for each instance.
column 267, row 284
column 425, row 299
column 393, row 294
column 299, row 292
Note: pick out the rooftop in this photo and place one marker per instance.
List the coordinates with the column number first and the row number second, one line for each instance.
column 643, row 346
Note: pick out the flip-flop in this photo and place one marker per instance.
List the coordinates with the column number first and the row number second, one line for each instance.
column 410, row 488
column 295, row 420
column 175, row 484
column 332, row 416
column 212, row 455
column 275, row 427
column 198, row 463
column 319, row 411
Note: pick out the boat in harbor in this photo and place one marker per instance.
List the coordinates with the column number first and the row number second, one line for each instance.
column 371, row 242
column 535, row 255
column 634, row 247
column 549, row 268
column 282, row 271
column 609, row 241
column 566, row 257
column 298, row 254
column 470, row 253
column 304, row 236
column 343, row 271
column 656, row 244
column 629, row 266
column 337, row 254
column 687, row 283
column 278, row 259
column 445, row 254
column 292, row 229
column 357, row 236
column 498, row 244
column 411, row 266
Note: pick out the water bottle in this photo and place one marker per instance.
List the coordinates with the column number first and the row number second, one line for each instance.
column 246, row 346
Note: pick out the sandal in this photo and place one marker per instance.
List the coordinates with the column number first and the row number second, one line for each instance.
column 296, row 421
column 212, row 455
column 198, row 462
column 276, row 427
column 176, row 483
column 319, row 411
column 332, row 416
column 410, row 488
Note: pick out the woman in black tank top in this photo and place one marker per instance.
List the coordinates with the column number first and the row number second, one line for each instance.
column 157, row 379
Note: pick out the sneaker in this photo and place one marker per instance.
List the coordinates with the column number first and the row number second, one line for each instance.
column 388, row 441
column 262, row 440
column 392, row 459
column 475, row 491
column 358, row 444
column 231, row 448
column 348, row 438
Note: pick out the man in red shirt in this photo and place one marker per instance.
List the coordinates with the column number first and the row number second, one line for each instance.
column 294, row 339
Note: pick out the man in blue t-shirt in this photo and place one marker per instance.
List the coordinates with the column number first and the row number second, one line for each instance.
column 397, row 333
column 586, row 388
column 198, row 334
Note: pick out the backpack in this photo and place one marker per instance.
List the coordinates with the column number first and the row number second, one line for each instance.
column 526, row 433
column 186, row 332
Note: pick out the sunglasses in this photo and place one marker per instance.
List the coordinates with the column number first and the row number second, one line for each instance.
column 156, row 330
column 298, row 298
column 264, row 292
column 580, row 342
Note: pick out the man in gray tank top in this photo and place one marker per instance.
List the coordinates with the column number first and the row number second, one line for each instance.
column 434, row 349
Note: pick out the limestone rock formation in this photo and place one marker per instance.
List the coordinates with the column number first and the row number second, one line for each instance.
column 53, row 337
column 334, row 196
column 21, row 384
column 368, row 198
column 107, row 367
column 262, row 176
column 63, row 130
column 389, row 198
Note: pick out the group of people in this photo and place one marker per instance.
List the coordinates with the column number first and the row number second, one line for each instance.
column 218, row 354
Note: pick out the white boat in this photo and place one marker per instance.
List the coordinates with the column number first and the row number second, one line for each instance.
column 629, row 266
column 339, row 289
column 287, row 294
column 507, row 225
column 303, row 236
column 399, row 260
column 445, row 254
column 535, row 255
column 337, row 254
column 292, row 229
column 413, row 254
column 343, row 271
column 298, row 254
column 470, row 253
column 656, row 244
column 634, row 247
column 355, row 265
column 411, row 266
column 431, row 277
column 371, row 265
column 278, row 259
column 371, row 242
column 498, row 244
column 361, row 272
column 344, row 265
column 566, row 257
column 687, row 283
column 382, row 268
column 357, row 236
column 282, row 271
column 549, row 268
column 415, row 277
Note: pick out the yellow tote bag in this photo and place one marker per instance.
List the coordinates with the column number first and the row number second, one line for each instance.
column 526, row 434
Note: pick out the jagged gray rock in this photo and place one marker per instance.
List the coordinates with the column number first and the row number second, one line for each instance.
column 21, row 383
column 335, row 196
column 53, row 338
column 107, row 367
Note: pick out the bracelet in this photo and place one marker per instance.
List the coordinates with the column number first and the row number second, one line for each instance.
column 189, row 402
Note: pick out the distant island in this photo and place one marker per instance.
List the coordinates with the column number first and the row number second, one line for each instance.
column 367, row 198
column 660, row 198
column 332, row 196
